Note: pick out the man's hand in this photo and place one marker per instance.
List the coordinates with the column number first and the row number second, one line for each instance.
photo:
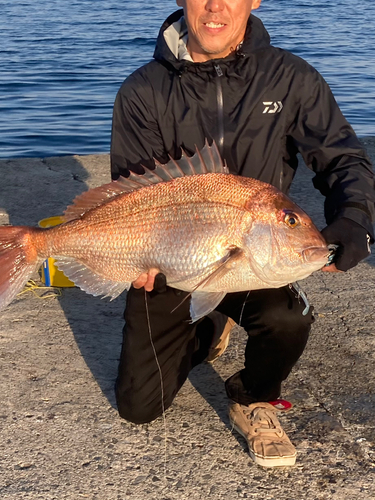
column 153, row 279
column 352, row 241
column 331, row 269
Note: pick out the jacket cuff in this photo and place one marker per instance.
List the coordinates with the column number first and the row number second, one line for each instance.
column 358, row 216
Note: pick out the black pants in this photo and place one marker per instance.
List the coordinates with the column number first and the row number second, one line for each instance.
column 277, row 335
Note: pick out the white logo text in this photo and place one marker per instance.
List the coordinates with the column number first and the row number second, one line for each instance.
column 273, row 107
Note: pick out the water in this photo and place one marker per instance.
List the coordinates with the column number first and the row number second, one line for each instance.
column 62, row 62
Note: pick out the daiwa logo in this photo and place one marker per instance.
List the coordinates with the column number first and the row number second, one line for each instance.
column 273, row 107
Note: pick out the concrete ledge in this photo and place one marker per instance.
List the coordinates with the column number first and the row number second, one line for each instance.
column 63, row 439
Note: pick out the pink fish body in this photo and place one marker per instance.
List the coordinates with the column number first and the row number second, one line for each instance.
column 208, row 231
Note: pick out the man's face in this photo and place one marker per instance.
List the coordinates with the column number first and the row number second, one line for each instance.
column 215, row 27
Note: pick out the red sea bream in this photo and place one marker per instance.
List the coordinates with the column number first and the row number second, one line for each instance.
column 208, row 231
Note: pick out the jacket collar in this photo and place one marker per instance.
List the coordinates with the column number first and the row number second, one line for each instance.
column 169, row 45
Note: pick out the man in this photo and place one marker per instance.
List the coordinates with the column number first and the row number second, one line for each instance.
column 216, row 76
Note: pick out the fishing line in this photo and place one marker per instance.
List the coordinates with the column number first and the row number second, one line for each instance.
column 243, row 307
column 161, row 387
column 239, row 323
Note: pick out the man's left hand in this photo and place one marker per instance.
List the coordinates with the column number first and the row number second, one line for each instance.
column 353, row 244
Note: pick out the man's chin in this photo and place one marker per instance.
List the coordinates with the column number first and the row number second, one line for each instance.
column 214, row 51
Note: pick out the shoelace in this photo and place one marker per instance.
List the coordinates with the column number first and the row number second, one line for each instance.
column 264, row 421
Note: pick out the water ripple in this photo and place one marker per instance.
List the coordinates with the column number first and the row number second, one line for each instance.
column 63, row 61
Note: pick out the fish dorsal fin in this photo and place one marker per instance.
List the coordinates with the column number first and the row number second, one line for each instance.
column 207, row 160
column 204, row 161
column 93, row 198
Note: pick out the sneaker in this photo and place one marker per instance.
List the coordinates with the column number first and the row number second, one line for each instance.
column 269, row 446
column 222, row 328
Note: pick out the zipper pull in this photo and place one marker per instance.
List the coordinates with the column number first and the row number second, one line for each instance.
column 218, row 70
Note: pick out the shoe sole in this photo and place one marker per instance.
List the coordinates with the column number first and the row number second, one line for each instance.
column 267, row 462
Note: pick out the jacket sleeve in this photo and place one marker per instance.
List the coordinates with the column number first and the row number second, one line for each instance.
column 136, row 139
column 329, row 146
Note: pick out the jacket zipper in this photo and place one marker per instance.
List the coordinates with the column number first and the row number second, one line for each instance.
column 220, row 109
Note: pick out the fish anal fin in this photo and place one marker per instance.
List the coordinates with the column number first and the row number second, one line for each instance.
column 88, row 280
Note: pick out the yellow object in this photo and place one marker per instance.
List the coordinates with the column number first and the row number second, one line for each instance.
column 41, row 292
column 51, row 276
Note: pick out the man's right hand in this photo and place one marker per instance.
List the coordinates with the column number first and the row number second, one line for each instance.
column 147, row 280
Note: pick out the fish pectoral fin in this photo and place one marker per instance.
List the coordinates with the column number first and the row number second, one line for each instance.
column 89, row 281
column 211, row 299
column 202, row 303
column 221, row 267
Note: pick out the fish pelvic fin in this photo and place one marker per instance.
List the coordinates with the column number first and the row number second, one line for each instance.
column 18, row 261
column 202, row 303
column 207, row 160
column 89, row 281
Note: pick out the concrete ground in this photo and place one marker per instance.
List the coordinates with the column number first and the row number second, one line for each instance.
column 61, row 436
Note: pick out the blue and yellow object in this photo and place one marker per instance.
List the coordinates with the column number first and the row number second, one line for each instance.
column 51, row 275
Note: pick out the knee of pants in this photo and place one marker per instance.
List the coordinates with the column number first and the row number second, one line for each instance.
column 285, row 321
column 282, row 316
column 132, row 409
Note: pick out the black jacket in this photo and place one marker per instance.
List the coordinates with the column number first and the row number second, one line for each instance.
column 262, row 105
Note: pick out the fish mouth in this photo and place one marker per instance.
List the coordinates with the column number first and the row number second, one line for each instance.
column 316, row 254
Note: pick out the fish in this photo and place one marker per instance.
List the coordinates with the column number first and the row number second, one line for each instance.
column 208, row 231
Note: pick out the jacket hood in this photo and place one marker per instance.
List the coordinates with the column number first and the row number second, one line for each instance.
column 174, row 28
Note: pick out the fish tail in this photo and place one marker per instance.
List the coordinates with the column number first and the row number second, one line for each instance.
column 19, row 259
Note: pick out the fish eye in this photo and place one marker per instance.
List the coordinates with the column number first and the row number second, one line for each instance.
column 291, row 219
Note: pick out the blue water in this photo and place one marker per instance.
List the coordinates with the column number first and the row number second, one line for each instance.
column 62, row 62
